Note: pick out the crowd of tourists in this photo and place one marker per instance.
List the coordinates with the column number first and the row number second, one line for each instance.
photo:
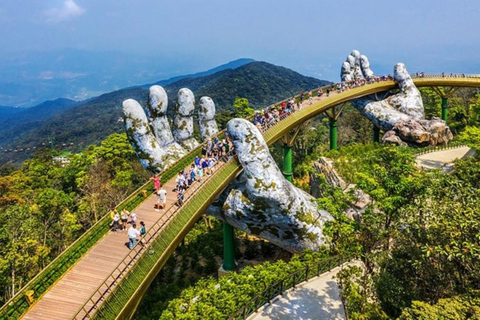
column 213, row 152
column 127, row 221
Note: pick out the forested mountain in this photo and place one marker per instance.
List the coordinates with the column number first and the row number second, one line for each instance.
column 93, row 120
column 230, row 65
column 19, row 119
column 7, row 111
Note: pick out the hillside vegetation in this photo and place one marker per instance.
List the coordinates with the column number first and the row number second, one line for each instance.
column 93, row 120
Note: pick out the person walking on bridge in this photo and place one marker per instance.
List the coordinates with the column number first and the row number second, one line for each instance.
column 162, row 199
column 133, row 233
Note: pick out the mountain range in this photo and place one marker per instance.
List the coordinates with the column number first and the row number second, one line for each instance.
column 71, row 125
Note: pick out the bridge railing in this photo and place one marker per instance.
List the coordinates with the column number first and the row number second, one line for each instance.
column 420, row 75
column 38, row 285
column 451, row 145
column 289, row 282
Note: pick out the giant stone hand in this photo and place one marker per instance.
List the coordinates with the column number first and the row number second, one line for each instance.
column 155, row 145
column 267, row 204
column 402, row 114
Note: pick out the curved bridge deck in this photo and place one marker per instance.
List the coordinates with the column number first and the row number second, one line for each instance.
column 110, row 280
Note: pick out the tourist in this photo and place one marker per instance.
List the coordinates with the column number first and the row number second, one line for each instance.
column 156, row 182
column 204, row 164
column 180, row 179
column 180, row 198
column 133, row 233
column 143, row 232
column 193, row 176
column 197, row 161
column 124, row 219
column 133, row 218
column 115, row 220
column 200, row 173
column 211, row 164
column 162, row 199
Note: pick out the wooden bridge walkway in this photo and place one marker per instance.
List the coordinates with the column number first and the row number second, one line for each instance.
column 69, row 294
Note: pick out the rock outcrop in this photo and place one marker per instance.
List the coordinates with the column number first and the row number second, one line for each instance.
column 268, row 205
column 323, row 167
column 401, row 114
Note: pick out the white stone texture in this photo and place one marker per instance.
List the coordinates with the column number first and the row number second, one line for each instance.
column 270, row 206
column 402, row 114
column 365, row 65
column 148, row 150
column 183, row 121
column 345, row 73
column 206, row 118
column 157, row 105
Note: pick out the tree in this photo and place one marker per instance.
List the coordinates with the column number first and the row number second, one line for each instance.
column 242, row 108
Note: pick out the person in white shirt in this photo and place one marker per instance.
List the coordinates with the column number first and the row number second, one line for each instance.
column 133, row 233
column 162, row 198
column 133, row 217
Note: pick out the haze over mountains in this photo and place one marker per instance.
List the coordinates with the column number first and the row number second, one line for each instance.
column 74, row 125
column 27, row 79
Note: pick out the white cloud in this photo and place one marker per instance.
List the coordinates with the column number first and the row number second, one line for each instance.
column 69, row 10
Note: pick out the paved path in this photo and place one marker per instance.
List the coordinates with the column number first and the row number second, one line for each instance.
column 443, row 159
column 319, row 298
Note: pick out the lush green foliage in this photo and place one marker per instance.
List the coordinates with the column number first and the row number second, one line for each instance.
column 463, row 107
column 212, row 299
column 419, row 237
column 45, row 205
column 197, row 258
column 456, row 308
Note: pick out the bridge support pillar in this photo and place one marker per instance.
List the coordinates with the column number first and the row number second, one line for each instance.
column 287, row 162
column 376, row 134
column 445, row 93
column 229, row 263
column 333, row 114
column 333, row 134
column 444, row 109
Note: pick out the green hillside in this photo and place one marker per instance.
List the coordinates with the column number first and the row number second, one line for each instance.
column 91, row 121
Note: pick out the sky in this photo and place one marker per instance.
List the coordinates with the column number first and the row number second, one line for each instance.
column 311, row 37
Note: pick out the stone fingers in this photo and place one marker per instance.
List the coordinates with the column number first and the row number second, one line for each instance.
column 141, row 137
column 206, row 118
column 183, row 121
column 269, row 206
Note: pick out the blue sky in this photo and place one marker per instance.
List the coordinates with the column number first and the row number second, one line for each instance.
column 311, row 37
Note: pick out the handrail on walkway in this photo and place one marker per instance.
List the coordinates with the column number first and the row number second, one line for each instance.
column 289, row 282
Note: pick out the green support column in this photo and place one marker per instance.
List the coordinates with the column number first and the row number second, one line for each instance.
column 287, row 162
column 376, row 134
column 444, row 109
column 333, row 134
column 228, row 248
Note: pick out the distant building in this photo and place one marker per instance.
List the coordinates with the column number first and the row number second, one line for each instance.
column 62, row 161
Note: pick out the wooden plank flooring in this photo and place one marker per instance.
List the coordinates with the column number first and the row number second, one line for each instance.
column 64, row 299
